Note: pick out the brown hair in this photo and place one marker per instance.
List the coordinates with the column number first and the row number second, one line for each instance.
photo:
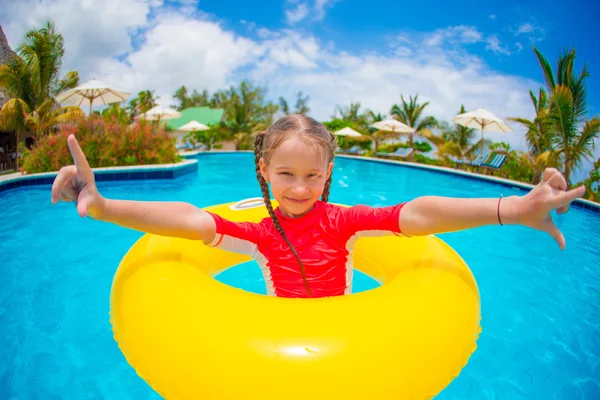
column 292, row 125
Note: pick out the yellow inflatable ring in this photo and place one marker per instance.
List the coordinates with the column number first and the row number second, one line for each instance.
column 192, row 337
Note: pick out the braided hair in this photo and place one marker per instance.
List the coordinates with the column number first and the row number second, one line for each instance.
column 265, row 143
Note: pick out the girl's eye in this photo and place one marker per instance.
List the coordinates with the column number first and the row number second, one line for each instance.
column 285, row 173
column 312, row 175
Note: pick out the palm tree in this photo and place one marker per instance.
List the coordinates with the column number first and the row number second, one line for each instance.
column 115, row 111
column 32, row 80
column 246, row 113
column 592, row 183
column 539, row 131
column 411, row 114
column 539, row 136
column 377, row 136
column 352, row 115
column 301, row 105
column 145, row 100
column 572, row 134
column 459, row 134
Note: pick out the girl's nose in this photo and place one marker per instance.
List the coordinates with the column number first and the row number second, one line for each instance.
column 299, row 188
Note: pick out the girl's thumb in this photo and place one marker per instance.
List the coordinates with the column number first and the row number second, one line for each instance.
column 82, row 207
column 556, row 234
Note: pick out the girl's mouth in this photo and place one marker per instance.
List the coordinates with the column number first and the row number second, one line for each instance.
column 297, row 201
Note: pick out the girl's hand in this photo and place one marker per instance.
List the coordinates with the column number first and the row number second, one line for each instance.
column 76, row 183
column 551, row 193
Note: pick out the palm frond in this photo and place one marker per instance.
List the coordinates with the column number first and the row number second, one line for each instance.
column 69, row 81
column 546, row 69
column 13, row 115
column 562, row 116
column 534, row 100
column 583, row 148
column 427, row 123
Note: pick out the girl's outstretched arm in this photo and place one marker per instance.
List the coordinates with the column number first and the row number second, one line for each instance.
column 431, row 214
column 176, row 219
column 76, row 183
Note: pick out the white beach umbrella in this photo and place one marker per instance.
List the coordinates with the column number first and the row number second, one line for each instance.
column 93, row 92
column 193, row 126
column 482, row 119
column 347, row 131
column 392, row 125
column 159, row 112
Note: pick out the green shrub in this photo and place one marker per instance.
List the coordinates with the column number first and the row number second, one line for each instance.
column 423, row 147
column 105, row 144
column 420, row 158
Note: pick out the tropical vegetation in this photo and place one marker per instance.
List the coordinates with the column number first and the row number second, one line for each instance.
column 31, row 80
column 105, row 144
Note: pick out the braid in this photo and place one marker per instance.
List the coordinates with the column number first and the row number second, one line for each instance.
column 258, row 146
column 325, row 195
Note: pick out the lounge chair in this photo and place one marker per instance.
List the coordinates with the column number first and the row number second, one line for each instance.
column 353, row 150
column 477, row 161
column 495, row 163
column 464, row 159
column 401, row 152
column 480, row 159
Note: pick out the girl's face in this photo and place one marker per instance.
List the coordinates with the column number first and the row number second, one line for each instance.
column 297, row 172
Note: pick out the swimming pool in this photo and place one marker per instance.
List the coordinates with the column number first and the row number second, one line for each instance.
column 540, row 306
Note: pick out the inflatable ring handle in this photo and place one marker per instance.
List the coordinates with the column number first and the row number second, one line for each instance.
column 252, row 202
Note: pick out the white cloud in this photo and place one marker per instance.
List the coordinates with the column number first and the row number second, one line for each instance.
column 205, row 59
column 312, row 10
column 320, row 6
column 519, row 47
column 494, row 44
column 524, row 28
column 402, row 38
column 531, row 30
column 446, row 79
column 460, row 34
column 403, row 51
column 297, row 14
column 493, row 16
column 91, row 33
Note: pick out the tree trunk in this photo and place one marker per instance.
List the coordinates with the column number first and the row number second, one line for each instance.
column 567, row 172
column 17, row 153
column 568, row 175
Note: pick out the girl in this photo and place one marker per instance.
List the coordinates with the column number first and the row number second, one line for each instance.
column 305, row 247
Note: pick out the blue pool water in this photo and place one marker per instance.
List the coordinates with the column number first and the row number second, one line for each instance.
column 540, row 306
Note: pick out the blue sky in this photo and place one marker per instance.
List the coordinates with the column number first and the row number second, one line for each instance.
column 336, row 51
column 550, row 25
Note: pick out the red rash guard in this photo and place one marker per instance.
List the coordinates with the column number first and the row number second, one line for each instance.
column 324, row 239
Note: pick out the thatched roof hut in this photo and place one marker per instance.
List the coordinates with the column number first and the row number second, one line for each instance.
column 6, row 54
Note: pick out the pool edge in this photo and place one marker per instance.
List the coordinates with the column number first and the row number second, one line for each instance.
column 104, row 174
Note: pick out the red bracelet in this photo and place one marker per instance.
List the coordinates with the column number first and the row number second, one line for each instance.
column 499, row 220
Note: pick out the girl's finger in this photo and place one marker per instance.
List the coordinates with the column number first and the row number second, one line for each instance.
column 549, row 173
column 553, row 231
column 566, row 198
column 557, row 181
column 80, row 161
column 64, row 175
